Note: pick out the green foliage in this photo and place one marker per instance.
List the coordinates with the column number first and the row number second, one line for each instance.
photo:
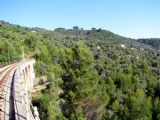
column 154, row 42
column 89, row 74
column 31, row 41
column 82, row 87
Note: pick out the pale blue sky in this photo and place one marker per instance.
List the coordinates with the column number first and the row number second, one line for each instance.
column 130, row 18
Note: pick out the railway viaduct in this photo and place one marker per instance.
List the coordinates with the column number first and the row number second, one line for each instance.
column 16, row 83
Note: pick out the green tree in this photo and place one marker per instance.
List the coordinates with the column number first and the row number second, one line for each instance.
column 82, row 85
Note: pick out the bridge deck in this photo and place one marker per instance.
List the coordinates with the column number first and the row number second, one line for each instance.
column 14, row 100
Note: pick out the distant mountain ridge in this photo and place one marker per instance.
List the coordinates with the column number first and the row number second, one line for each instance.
column 154, row 42
column 71, row 35
column 75, row 31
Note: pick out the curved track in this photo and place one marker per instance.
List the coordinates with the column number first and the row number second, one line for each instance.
column 5, row 91
column 3, row 74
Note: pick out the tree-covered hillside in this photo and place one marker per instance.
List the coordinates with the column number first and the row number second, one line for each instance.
column 154, row 42
column 91, row 74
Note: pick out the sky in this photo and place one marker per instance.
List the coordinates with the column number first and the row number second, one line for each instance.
column 129, row 18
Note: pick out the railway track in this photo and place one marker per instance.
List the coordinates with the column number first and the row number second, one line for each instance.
column 3, row 75
column 6, row 91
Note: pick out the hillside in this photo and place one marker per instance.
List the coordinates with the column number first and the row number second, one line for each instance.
column 90, row 74
column 154, row 42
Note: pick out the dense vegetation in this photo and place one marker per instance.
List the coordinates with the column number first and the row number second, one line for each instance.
column 154, row 42
column 92, row 74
